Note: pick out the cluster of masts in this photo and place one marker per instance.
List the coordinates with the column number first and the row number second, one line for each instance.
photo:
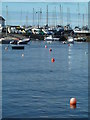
column 37, row 19
column 54, row 16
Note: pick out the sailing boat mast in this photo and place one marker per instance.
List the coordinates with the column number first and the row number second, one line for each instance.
column 68, row 16
column 47, row 16
column 60, row 15
column 6, row 18
column 40, row 14
column 55, row 17
column 78, row 14
column 83, row 20
column 27, row 19
column 86, row 16
column 21, row 18
column 33, row 16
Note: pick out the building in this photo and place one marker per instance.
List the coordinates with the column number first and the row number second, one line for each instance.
column 2, row 22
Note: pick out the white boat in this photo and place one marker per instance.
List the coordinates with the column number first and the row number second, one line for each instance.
column 80, row 39
column 56, row 39
column 24, row 41
column 49, row 38
column 49, row 42
column 70, row 40
column 5, row 40
column 64, row 42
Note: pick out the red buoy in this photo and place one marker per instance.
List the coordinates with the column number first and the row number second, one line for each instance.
column 45, row 46
column 72, row 106
column 68, row 44
column 73, row 101
column 50, row 49
column 53, row 60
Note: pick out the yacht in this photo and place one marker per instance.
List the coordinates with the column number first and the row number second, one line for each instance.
column 49, row 39
column 24, row 41
column 70, row 40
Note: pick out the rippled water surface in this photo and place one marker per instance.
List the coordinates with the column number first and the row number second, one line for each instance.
column 35, row 87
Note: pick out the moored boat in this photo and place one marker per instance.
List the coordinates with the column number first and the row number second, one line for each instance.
column 80, row 39
column 64, row 42
column 49, row 38
column 17, row 47
column 24, row 41
column 70, row 40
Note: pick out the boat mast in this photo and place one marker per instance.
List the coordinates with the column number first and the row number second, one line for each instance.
column 78, row 14
column 38, row 19
column 83, row 20
column 27, row 19
column 52, row 18
column 60, row 15
column 55, row 17
column 40, row 15
column 33, row 16
column 86, row 16
column 6, row 18
column 68, row 16
column 21, row 18
column 47, row 17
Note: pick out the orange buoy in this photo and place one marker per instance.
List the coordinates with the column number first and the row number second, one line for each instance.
column 50, row 49
column 45, row 46
column 73, row 101
column 53, row 60
column 72, row 106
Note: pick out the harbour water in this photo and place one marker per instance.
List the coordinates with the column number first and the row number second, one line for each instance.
column 34, row 87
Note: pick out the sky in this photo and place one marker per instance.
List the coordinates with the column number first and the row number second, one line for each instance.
column 45, row 0
column 21, row 13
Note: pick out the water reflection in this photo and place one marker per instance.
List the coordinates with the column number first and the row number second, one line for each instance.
column 70, row 56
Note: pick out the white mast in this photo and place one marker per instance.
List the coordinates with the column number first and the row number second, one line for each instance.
column 47, row 16
column 55, row 17
column 60, row 15
column 33, row 16
column 68, row 15
column 78, row 14
column 27, row 19
column 21, row 18
column 6, row 18
column 83, row 20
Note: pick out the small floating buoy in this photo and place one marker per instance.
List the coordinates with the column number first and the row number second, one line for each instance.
column 73, row 101
column 72, row 106
column 53, row 60
column 45, row 46
column 68, row 44
column 6, row 48
column 50, row 49
column 22, row 55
